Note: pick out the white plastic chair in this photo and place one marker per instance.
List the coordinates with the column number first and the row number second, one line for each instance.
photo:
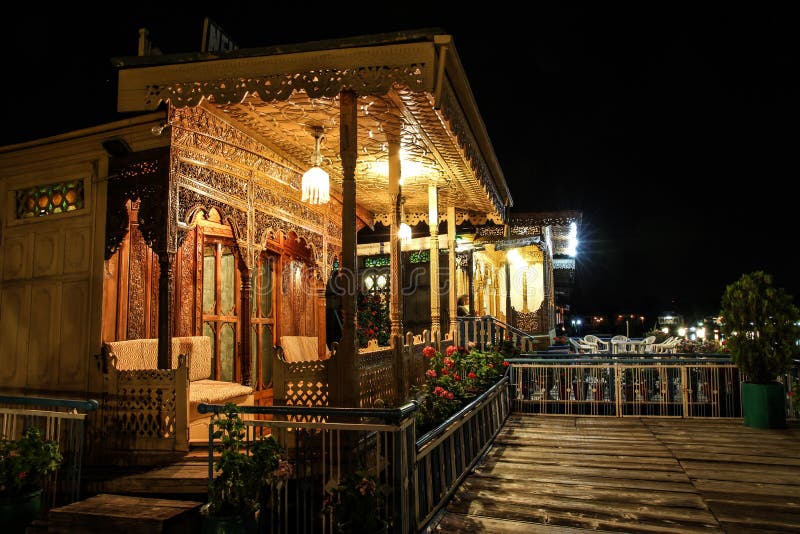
column 617, row 342
column 602, row 346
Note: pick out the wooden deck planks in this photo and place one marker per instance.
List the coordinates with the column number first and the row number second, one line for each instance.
column 631, row 475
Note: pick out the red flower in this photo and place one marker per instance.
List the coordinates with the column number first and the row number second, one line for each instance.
column 439, row 390
column 456, row 376
column 471, row 375
column 449, row 395
column 429, row 352
column 444, row 370
column 491, row 366
column 505, row 364
column 450, row 350
column 23, row 474
column 431, row 373
column 449, row 362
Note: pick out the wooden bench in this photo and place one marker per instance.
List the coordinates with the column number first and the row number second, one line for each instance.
column 121, row 513
column 154, row 409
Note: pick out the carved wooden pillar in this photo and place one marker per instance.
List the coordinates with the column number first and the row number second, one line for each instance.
column 452, row 283
column 395, row 251
column 509, row 312
column 433, row 224
column 525, row 290
column 321, row 325
column 245, row 349
column 166, row 285
column 344, row 390
column 479, row 287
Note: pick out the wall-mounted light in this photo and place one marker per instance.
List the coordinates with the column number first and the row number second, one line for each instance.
column 316, row 182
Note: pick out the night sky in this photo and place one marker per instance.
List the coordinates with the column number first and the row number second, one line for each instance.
column 672, row 130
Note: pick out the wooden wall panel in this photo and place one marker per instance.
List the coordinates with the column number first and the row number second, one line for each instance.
column 77, row 254
column 17, row 257
column 14, row 312
column 72, row 357
column 47, row 252
column 44, row 334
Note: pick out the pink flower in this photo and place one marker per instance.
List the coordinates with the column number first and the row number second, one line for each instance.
column 449, row 395
column 431, row 373
column 438, row 390
column 450, row 350
column 429, row 352
column 491, row 366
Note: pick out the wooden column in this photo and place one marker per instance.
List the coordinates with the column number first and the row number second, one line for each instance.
column 452, row 282
column 166, row 284
column 245, row 350
column 509, row 313
column 395, row 250
column 525, row 290
column 344, row 389
column 321, row 325
column 433, row 225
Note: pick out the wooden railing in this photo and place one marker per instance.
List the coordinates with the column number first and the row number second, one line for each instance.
column 488, row 331
column 60, row 420
column 305, row 383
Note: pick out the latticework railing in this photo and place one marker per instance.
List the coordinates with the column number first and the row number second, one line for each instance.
column 147, row 409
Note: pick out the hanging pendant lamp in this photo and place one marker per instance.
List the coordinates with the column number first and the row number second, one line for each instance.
column 316, row 182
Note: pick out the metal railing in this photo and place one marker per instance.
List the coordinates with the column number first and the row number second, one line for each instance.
column 664, row 386
column 325, row 443
column 60, row 420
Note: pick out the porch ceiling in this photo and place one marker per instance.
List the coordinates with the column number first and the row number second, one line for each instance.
column 277, row 98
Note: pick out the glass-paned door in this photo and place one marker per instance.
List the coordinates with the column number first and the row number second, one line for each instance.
column 262, row 319
column 220, row 307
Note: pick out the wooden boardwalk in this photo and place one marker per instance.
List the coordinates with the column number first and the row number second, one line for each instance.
column 567, row 474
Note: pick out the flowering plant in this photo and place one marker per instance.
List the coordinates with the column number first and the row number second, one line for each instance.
column 242, row 476
column 25, row 462
column 355, row 503
column 452, row 378
column 372, row 318
column 560, row 340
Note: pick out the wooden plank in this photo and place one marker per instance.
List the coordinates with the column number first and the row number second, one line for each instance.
column 458, row 523
column 492, row 466
column 758, row 488
column 579, row 491
column 582, row 516
column 755, row 516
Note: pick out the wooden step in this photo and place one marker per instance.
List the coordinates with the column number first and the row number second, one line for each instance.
column 121, row 513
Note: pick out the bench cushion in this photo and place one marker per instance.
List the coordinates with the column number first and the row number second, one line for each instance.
column 143, row 354
column 299, row 348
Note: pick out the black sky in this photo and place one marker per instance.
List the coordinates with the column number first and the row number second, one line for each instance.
column 673, row 130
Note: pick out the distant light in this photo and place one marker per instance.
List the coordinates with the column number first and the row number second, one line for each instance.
column 668, row 318
column 701, row 333
column 682, row 331
column 692, row 329
column 665, row 330
column 579, row 321
column 572, row 240
column 515, row 258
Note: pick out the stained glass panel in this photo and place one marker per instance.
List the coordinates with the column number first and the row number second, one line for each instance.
column 228, row 268
column 226, row 352
column 50, row 199
column 209, row 275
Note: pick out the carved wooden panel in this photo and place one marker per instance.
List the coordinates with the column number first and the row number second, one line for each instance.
column 17, row 257
column 376, row 377
column 137, row 286
column 44, row 334
column 77, row 253
column 46, row 253
column 184, row 285
column 14, row 310
column 152, row 281
column 72, row 352
column 144, row 407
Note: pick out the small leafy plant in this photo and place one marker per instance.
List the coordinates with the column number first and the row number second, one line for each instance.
column 355, row 504
column 25, row 462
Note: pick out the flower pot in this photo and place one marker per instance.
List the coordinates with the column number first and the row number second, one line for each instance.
column 764, row 405
column 17, row 512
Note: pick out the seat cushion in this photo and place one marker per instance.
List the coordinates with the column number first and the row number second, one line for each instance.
column 216, row 391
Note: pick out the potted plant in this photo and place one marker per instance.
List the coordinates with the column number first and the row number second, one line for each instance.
column 760, row 325
column 243, row 474
column 355, row 505
column 24, row 464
